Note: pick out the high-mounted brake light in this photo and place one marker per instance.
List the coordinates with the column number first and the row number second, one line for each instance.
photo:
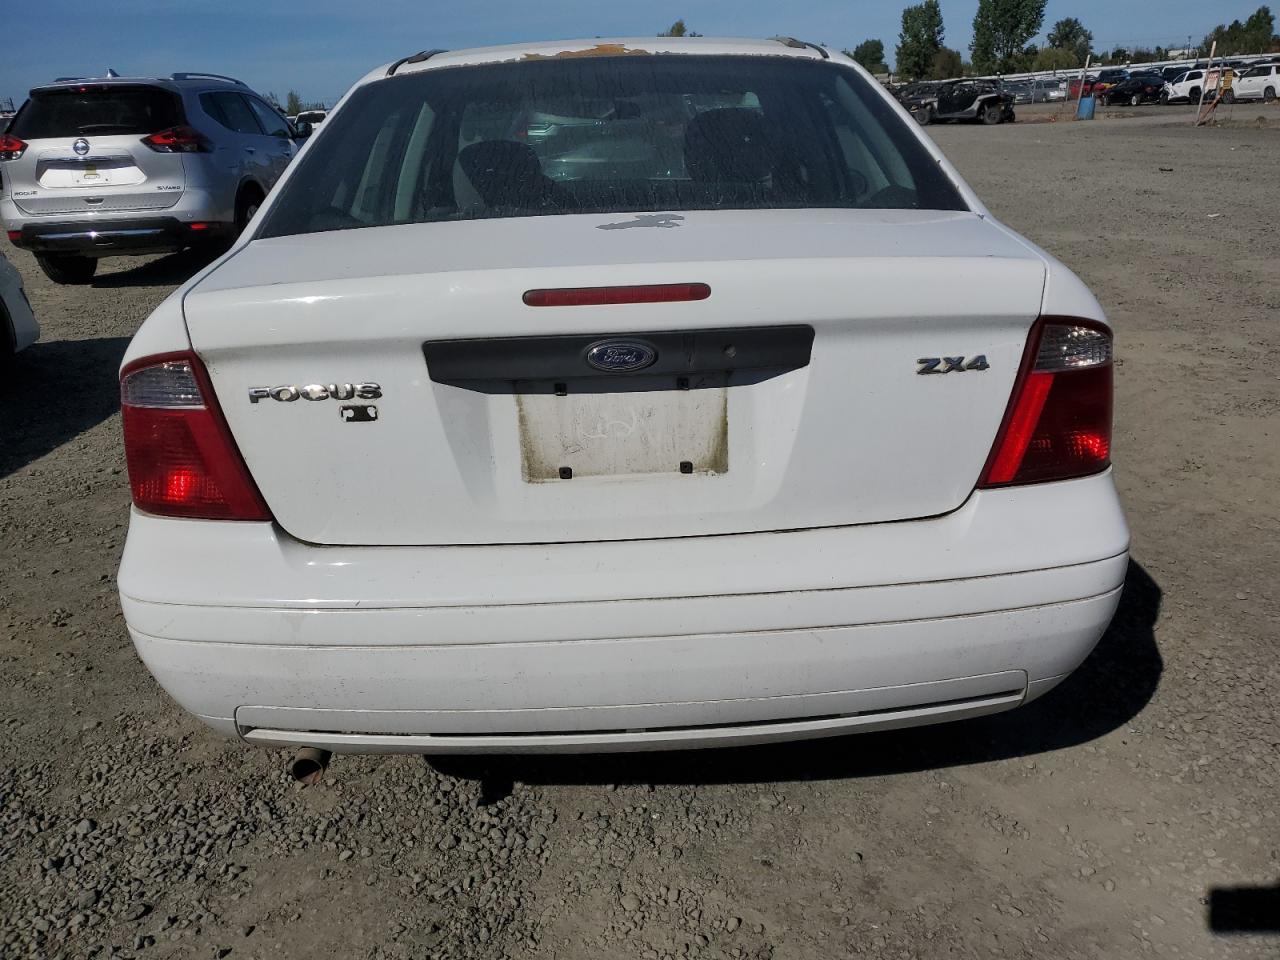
column 1058, row 425
column 180, row 139
column 182, row 459
column 596, row 296
column 11, row 148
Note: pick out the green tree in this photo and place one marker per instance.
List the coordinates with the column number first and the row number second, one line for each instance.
column 293, row 104
column 1255, row 35
column 946, row 65
column 678, row 29
column 1069, row 34
column 1119, row 55
column 870, row 53
column 1001, row 29
column 920, row 39
column 1055, row 58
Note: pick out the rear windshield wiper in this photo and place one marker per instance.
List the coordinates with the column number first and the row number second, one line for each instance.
column 100, row 127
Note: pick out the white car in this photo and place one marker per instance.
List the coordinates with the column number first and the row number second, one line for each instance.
column 18, row 327
column 750, row 428
column 1261, row 82
column 1188, row 86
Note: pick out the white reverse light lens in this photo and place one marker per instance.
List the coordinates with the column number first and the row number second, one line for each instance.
column 1070, row 347
column 171, row 384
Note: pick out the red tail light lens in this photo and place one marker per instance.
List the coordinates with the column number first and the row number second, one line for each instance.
column 596, row 296
column 1058, row 425
column 182, row 459
column 14, row 235
column 180, row 139
column 11, row 148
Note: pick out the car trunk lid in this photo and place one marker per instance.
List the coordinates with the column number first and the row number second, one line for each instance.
column 787, row 398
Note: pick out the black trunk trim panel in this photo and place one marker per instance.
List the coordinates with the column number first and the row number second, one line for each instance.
column 723, row 350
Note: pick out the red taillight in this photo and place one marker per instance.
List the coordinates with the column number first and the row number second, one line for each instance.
column 181, row 139
column 182, row 459
column 1058, row 425
column 11, row 148
column 596, row 296
column 14, row 235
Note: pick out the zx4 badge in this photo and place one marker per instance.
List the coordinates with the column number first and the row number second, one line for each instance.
column 952, row 364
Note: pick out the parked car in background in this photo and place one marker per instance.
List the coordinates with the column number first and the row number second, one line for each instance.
column 981, row 100
column 1049, row 90
column 1022, row 91
column 1107, row 79
column 1190, row 85
column 451, row 456
column 1185, row 86
column 107, row 167
column 1261, row 82
column 313, row 117
column 1139, row 88
column 18, row 327
column 1081, row 86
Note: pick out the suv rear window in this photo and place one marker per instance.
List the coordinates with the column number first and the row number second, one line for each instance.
column 608, row 135
column 102, row 110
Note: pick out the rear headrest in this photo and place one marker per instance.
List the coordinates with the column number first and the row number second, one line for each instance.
column 506, row 173
column 731, row 143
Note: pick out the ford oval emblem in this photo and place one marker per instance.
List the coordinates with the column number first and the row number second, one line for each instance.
column 81, row 147
column 621, row 356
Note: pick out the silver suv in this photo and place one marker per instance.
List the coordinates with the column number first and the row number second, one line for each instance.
column 107, row 167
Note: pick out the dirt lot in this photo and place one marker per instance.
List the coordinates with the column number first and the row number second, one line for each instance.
column 1096, row 823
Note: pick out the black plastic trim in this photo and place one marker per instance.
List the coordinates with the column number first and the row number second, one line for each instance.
column 564, row 357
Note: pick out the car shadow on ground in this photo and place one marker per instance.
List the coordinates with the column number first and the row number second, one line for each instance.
column 166, row 271
column 56, row 391
column 1110, row 688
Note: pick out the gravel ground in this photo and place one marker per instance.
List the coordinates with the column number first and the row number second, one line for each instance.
column 1097, row 822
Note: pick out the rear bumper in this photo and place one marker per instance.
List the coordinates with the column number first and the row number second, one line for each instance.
column 640, row 645
column 102, row 238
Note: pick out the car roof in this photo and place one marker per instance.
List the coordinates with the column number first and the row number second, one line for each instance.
column 603, row 47
column 175, row 82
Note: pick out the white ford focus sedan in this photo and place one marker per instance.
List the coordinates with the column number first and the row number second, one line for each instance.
column 618, row 395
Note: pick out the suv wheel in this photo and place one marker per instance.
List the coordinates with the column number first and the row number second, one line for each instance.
column 1229, row 97
column 67, row 267
column 924, row 115
column 7, row 340
column 1135, row 100
column 1194, row 94
column 247, row 205
column 991, row 114
column 1269, row 95
column 1164, row 98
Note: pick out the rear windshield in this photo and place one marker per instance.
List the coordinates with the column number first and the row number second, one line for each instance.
column 105, row 110
column 643, row 133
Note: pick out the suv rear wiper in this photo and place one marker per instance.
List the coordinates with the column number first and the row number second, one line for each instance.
column 99, row 127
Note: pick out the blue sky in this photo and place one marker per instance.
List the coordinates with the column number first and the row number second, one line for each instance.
column 320, row 47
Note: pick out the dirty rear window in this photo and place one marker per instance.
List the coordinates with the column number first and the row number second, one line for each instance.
column 617, row 134
column 97, row 110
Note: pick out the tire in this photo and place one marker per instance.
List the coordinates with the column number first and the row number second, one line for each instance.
column 247, row 205
column 67, row 268
column 1194, row 94
column 1269, row 95
column 992, row 114
column 1135, row 100
column 1164, row 98
column 1229, row 97
column 924, row 115
column 8, row 341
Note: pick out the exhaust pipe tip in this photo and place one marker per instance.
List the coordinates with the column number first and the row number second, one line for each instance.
column 308, row 765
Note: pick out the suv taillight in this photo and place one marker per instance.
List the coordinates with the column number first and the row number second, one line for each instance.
column 1058, row 425
column 181, row 139
column 11, row 148
column 182, row 459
